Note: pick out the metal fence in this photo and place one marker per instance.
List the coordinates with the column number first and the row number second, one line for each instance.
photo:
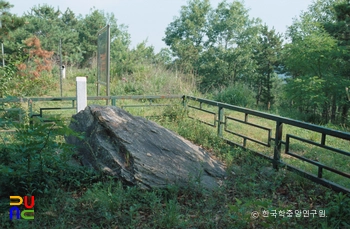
column 72, row 100
column 222, row 122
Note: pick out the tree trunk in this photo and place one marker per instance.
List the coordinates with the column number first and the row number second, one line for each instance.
column 268, row 100
column 325, row 114
column 333, row 109
column 344, row 113
column 259, row 92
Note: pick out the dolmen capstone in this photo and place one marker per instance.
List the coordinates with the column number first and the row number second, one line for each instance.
column 140, row 152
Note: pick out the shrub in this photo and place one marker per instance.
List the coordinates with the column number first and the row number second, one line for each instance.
column 239, row 95
column 34, row 160
column 6, row 75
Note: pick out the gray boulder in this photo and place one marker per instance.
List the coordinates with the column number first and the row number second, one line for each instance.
column 140, row 152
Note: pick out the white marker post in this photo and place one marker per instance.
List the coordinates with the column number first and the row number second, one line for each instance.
column 81, row 93
column 63, row 71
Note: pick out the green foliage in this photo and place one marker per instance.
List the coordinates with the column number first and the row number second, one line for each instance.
column 26, row 82
column 126, row 62
column 76, row 197
column 22, row 86
column 34, row 159
column 78, row 34
column 318, row 53
column 311, row 21
column 7, row 74
column 185, row 35
column 217, row 44
column 214, row 43
column 253, row 185
column 312, row 55
column 339, row 211
column 153, row 80
column 164, row 57
column 238, row 95
column 228, row 56
column 308, row 94
column 173, row 113
column 9, row 22
column 88, row 28
column 266, row 54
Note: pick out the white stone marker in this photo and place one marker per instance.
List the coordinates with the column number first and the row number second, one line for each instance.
column 63, row 71
column 81, row 93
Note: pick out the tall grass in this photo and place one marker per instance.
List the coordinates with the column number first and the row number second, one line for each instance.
column 152, row 80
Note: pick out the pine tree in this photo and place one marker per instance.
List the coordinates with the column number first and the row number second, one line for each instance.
column 8, row 21
column 266, row 54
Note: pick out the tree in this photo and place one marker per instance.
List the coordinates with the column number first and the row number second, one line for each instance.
column 50, row 26
column 266, row 54
column 340, row 30
column 228, row 52
column 312, row 60
column 312, row 20
column 94, row 22
column 214, row 43
column 134, row 60
column 72, row 52
column 185, row 35
column 8, row 23
column 44, row 22
column 39, row 60
column 163, row 57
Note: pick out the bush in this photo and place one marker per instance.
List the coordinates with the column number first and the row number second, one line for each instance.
column 238, row 95
column 6, row 75
column 34, row 160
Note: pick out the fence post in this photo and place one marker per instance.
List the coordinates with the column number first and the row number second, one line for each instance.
column 220, row 120
column 278, row 144
column 184, row 104
column 30, row 105
column 81, row 93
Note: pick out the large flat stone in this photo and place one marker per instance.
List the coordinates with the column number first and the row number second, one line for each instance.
column 140, row 152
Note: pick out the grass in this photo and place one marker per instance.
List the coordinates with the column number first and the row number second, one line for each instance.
column 86, row 199
column 318, row 154
column 251, row 186
column 151, row 81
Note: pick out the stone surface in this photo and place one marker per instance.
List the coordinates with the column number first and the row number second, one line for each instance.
column 140, row 152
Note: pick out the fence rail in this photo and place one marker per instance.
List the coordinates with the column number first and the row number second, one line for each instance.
column 222, row 126
column 221, row 123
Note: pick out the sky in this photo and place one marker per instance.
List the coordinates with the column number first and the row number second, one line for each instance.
column 148, row 19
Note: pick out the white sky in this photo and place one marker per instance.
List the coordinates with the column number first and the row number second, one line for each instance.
column 147, row 19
